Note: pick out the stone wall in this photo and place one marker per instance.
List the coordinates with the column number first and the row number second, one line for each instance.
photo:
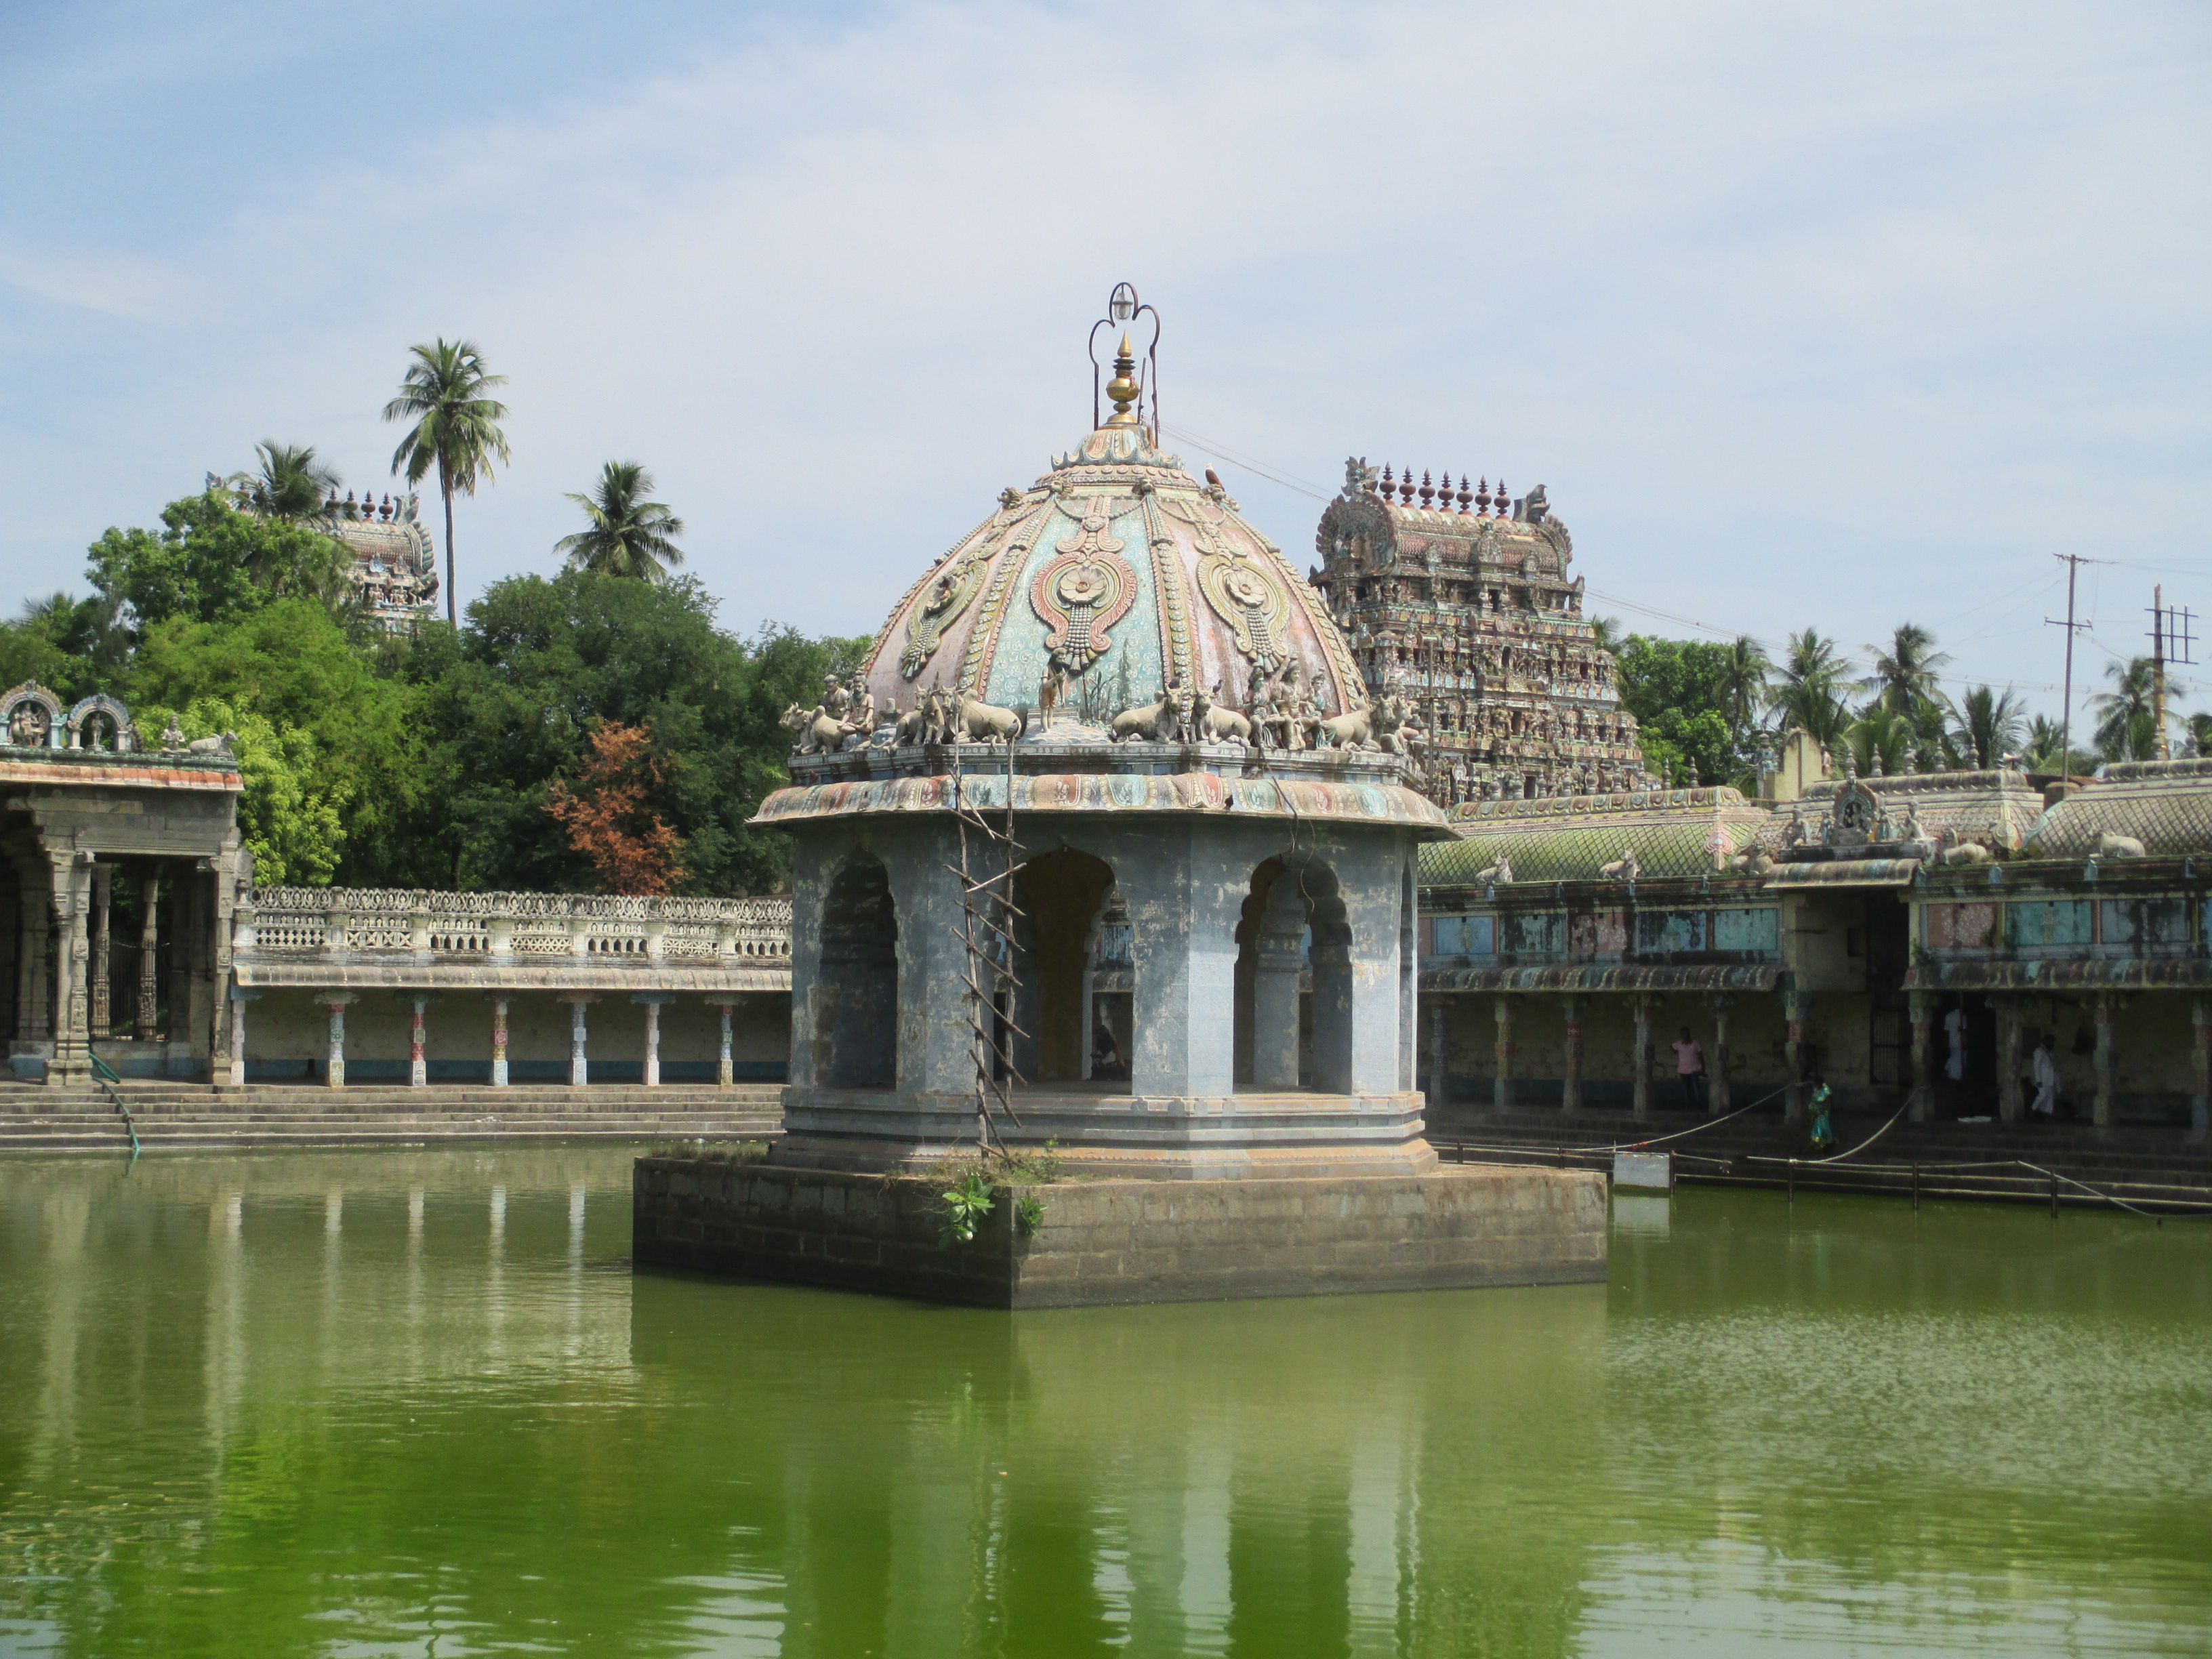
column 1111, row 1242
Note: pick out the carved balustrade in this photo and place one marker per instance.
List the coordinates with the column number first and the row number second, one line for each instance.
column 331, row 921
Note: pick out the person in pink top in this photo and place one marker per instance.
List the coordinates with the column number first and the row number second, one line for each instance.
column 1690, row 1066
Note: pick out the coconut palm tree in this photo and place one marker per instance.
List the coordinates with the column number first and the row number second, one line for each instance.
column 629, row 536
column 2127, row 720
column 1882, row 734
column 1905, row 673
column 2200, row 736
column 1991, row 725
column 1743, row 684
column 1807, row 687
column 291, row 484
column 1606, row 634
column 2042, row 752
column 456, row 428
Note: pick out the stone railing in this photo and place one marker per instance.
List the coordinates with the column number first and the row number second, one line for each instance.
column 274, row 922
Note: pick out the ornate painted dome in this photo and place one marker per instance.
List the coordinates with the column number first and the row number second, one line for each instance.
column 1112, row 575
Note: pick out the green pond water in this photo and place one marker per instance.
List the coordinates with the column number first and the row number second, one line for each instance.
column 418, row 1403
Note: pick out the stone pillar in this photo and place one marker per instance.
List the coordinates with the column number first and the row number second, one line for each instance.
column 2201, row 1100
column 724, row 1068
column 1501, row 1091
column 72, row 1011
column 1280, row 956
column 1439, row 1051
column 580, row 1072
column 418, row 1067
column 1641, row 1063
column 653, row 1002
column 1797, row 1010
column 2107, row 1058
column 100, row 1015
column 498, row 1041
column 1717, row 1096
column 334, row 1068
column 240, row 996
column 1571, row 1089
column 146, row 1015
column 1924, row 1044
column 2010, row 1022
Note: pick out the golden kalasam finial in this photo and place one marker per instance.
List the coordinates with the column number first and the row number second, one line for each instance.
column 1122, row 388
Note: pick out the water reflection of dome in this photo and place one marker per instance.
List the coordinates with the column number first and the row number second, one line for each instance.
column 1112, row 575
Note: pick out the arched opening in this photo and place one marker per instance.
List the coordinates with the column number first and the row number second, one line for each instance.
column 1293, row 983
column 1063, row 896
column 858, row 1010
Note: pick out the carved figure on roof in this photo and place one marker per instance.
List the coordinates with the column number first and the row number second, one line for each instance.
column 1358, row 478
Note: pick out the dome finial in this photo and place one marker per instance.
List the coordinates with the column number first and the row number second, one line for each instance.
column 1122, row 388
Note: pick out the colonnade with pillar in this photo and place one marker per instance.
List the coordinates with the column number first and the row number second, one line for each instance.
column 1637, row 1025
column 419, row 1004
column 69, row 934
column 1508, row 1012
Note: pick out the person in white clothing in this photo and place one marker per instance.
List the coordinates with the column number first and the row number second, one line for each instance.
column 2047, row 1079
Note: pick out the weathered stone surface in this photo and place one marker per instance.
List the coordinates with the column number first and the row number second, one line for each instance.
column 1110, row 1242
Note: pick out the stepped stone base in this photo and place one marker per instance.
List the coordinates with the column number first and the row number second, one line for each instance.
column 41, row 1118
column 1110, row 1242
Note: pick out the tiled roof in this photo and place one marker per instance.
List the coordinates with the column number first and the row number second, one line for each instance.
column 2165, row 804
column 1672, row 833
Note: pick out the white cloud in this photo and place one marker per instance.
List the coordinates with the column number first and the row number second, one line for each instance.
column 1803, row 315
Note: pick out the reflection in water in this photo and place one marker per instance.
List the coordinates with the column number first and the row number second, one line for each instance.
column 417, row 1403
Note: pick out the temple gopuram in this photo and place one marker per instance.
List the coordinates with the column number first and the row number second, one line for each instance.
column 395, row 562
column 1460, row 601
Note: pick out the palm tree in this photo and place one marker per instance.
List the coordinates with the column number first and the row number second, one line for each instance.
column 1882, row 733
column 1743, row 684
column 291, row 485
column 2046, row 738
column 2127, row 721
column 629, row 536
column 1606, row 634
column 2200, row 736
column 1992, row 725
column 456, row 428
column 1905, row 673
column 1808, row 685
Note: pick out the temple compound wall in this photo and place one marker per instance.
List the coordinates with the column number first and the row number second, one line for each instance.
column 1908, row 940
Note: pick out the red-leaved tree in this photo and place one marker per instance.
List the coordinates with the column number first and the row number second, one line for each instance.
column 630, row 846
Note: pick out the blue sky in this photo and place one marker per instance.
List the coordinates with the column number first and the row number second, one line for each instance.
column 1804, row 314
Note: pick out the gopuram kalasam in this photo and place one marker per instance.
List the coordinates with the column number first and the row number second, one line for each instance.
column 1457, row 603
column 1111, row 852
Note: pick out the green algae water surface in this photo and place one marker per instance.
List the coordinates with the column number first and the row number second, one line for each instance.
column 418, row 1403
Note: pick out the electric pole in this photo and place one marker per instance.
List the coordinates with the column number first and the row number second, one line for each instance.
column 2169, row 643
column 2073, row 563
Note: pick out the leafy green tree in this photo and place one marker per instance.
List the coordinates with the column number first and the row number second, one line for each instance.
column 343, row 725
column 455, row 428
column 2127, row 715
column 1807, row 688
column 1991, row 725
column 628, row 536
column 287, row 817
column 514, row 698
column 2200, row 736
column 291, row 483
column 1684, row 695
column 211, row 562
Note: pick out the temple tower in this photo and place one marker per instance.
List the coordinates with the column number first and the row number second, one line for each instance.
column 1458, row 598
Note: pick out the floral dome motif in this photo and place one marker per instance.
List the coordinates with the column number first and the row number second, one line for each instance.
column 1112, row 576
